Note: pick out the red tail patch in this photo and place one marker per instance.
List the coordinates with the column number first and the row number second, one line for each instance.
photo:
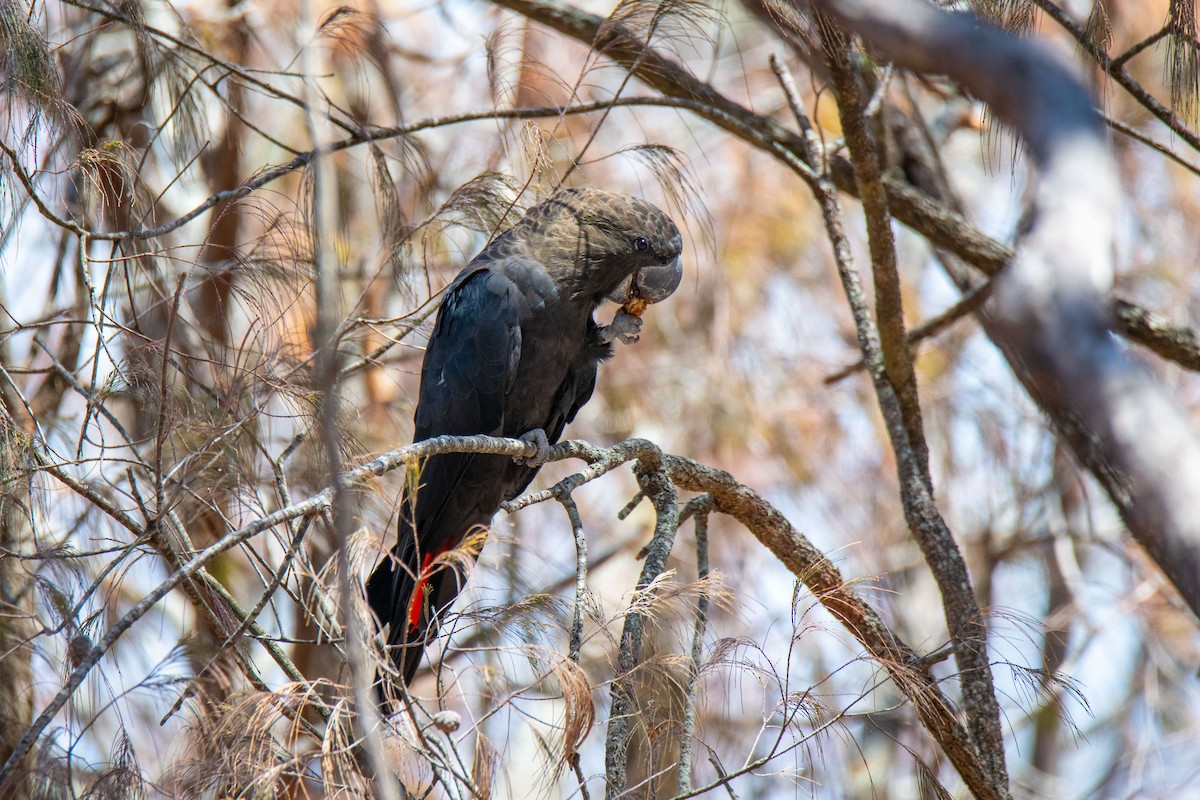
column 418, row 597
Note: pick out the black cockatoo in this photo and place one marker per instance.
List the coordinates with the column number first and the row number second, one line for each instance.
column 514, row 352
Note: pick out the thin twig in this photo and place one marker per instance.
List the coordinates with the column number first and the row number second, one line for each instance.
column 163, row 402
column 578, row 770
column 1115, row 69
column 1138, row 136
column 720, row 770
column 699, row 508
column 969, row 303
column 1149, row 41
column 581, row 567
column 272, row 173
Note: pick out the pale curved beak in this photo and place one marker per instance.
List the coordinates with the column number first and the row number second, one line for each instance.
column 652, row 284
column 658, row 282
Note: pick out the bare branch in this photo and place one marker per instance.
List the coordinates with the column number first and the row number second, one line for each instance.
column 581, row 567
column 1049, row 309
column 868, row 172
column 826, row 583
column 655, row 482
column 921, row 513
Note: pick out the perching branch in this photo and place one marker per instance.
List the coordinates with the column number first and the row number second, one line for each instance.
column 772, row 529
column 192, row 567
column 729, row 497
